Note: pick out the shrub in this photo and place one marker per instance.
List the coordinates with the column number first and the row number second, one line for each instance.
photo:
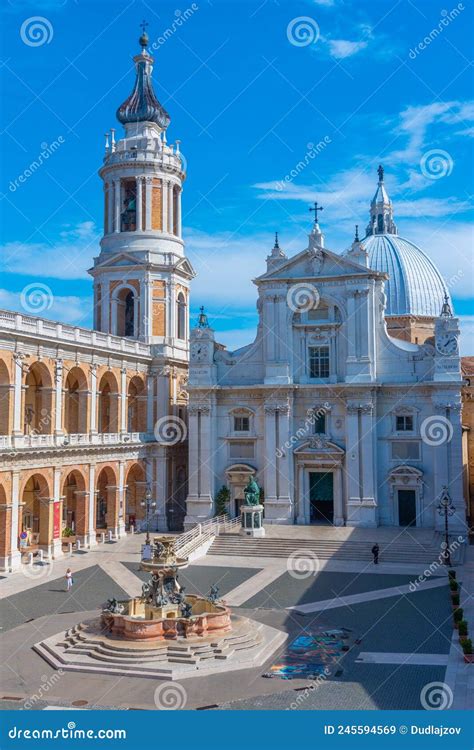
column 455, row 598
column 462, row 627
column 453, row 584
column 67, row 531
column 467, row 646
column 452, row 573
column 457, row 614
column 222, row 498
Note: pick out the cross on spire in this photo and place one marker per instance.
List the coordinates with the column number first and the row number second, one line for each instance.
column 143, row 26
column 316, row 209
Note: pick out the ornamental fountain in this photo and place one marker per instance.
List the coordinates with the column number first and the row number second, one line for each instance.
column 163, row 633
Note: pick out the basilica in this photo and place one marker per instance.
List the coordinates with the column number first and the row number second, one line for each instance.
column 346, row 408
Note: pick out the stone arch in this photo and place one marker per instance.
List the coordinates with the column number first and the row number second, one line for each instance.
column 36, row 514
column 5, row 398
column 237, row 477
column 38, row 417
column 75, row 401
column 136, row 486
column 108, row 403
column 106, row 503
column 74, row 510
column 124, row 311
column 137, row 404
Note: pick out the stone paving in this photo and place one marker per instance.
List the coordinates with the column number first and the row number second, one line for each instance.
column 417, row 623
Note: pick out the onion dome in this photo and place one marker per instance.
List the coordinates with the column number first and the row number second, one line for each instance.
column 142, row 104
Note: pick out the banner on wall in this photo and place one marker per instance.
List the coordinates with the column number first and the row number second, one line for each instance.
column 57, row 521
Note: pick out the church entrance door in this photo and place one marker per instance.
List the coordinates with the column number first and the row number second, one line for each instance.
column 407, row 507
column 321, row 497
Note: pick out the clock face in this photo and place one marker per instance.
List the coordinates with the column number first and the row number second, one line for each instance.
column 198, row 352
column 447, row 344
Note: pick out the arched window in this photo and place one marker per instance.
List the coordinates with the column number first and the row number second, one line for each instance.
column 181, row 316
column 125, row 313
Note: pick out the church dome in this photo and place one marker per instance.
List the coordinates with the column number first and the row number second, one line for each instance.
column 415, row 286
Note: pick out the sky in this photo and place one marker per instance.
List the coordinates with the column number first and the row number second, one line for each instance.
column 276, row 105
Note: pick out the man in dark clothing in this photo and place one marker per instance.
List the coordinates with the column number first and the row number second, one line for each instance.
column 375, row 552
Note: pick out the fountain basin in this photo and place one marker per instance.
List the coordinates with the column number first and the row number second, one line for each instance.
column 142, row 621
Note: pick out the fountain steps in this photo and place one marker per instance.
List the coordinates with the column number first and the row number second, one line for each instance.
column 249, row 645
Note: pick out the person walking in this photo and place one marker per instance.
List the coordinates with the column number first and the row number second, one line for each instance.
column 375, row 552
column 69, row 579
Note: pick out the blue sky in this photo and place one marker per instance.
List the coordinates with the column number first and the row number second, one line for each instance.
column 249, row 87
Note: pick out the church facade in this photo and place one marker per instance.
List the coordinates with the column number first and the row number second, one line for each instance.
column 347, row 406
column 93, row 422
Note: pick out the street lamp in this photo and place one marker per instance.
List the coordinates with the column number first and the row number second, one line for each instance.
column 447, row 509
column 148, row 504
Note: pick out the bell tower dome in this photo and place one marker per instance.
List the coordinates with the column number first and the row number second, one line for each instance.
column 141, row 276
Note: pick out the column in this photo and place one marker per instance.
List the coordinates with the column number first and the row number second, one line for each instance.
column 82, row 516
column 270, row 471
column 117, row 202
column 93, row 414
column 121, row 500
column 18, row 395
column 148, row 189
column 146, row 316
column 92, row 539
column 5, row 535
column 353, row 454
column 58, row 398
column 338, row 501
column 368, row 435
column 178, row 209
column 170, row 208
column 123, row 400
column 150, row 398
column 110, row 202
column 284, row 465
column 300, row 502
column 351, row 328
column 199, row 503
column 164, row 206
column 139, row 203
column 15, row 554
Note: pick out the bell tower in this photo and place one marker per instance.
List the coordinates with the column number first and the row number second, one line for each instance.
column 141, row 276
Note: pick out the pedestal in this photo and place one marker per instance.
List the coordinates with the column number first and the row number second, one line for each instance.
column 251, row 521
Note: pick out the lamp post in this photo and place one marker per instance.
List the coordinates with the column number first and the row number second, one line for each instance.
column 447, row 509
column 148, row 504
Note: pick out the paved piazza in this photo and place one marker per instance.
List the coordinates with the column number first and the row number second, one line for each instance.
column 397, row 641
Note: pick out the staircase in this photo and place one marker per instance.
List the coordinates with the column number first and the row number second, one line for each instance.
column 398, row 551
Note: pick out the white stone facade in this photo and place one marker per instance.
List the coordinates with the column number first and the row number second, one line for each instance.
column 338, row 421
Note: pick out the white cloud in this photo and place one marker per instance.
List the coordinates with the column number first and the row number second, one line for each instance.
column 226, row 265
column 67, row 309
column 467, row 335
column 339, row 49
column 66, row 259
